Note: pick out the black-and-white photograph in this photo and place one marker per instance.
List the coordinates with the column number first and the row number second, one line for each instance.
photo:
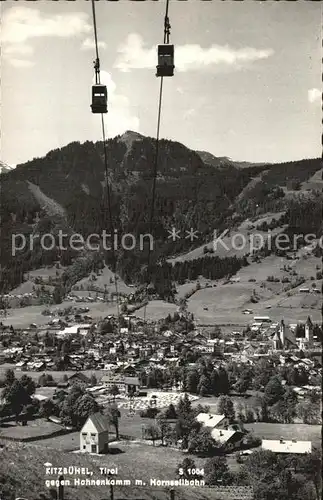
column 161, row 250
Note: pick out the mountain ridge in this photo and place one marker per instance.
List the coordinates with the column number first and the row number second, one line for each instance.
column 5, row 168
column 190, row 193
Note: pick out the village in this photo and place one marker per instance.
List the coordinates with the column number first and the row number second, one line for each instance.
column 145, row 365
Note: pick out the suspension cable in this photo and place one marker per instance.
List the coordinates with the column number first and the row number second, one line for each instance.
column 166, row 24
column 108, row 208
column 107, row 194
column 97, row 61
column 155, row 167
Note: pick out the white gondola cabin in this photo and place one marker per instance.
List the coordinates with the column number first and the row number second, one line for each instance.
column 99, row 99
column 165, row 65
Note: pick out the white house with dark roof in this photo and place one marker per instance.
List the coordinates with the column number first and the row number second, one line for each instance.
column 228, row 439
column 72, row 330
column 94, row 435
column 125, row 384
column 287, row 446
column 212, row 420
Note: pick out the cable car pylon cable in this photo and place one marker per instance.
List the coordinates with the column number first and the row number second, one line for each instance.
column 107, row 194
column 155, row 167
column 166, row 24
column 97, row 61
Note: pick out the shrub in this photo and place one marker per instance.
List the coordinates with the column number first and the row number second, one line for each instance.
column 149, row 413
column 251, row 441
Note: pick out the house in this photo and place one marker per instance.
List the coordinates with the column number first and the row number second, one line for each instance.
column 129, row 371
column 124, row 384
column 75, row 329
column 94, row 435
column 211, row 420
column 205, row 348
column 84, row 329
column 40, row 397
column 284, row 446
column 199, row 337
column 228, row 439
column 35, row 365
column 262, row 319
column 20, row 365
column 79, row 378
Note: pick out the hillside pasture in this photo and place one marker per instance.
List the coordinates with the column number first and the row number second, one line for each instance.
column 190, row 286
column 65, row 442
column 250, row 186
column 45, row 272
column 23, row 466
column 22, row 317
column 156, row 310
column 300, row 432
column 34, row 428
column 236, row 243
column 225, row 304
column 308, row 265
column 186, row 288
column 315, row 182
column 301, row 300
column 104, row 278
column 267, row 217
column 29, row 287
column 269, row 266
column 57, row 375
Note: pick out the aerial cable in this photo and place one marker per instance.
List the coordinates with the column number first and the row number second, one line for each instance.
column 167, row 26
column 155, row 166
column 107, row 193
column 108, row 208
column 97, row 61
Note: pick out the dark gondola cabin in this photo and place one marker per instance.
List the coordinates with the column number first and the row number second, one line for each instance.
column 165, row 60
column 99, row 99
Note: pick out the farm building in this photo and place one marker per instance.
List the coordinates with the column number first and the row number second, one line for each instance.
column 78, row 377
column 211, row 420
column 284, row 446
column 229, row 439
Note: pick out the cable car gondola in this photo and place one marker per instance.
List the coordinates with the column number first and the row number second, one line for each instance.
column 165, row 65
column 99, row 99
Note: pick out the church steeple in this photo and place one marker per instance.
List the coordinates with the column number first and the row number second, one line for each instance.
column 309, row 321
column 309, row 330
column 282, row 333
column 276, row 342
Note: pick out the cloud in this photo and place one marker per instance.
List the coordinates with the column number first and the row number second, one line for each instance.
column 21, row 24
column 133, row 55
column 120, row 116
column 314, row 95
column 18, row 49
column 21, row 63
column 88, row 44
column 190, row 112
column 18, row 55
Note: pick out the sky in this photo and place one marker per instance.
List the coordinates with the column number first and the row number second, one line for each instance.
column 247, row 82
